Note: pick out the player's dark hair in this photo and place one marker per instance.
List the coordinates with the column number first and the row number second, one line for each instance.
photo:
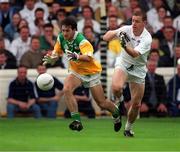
column 69, row 21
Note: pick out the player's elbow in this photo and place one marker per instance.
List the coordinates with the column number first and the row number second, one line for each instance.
column 109, row 36
column 105, row 37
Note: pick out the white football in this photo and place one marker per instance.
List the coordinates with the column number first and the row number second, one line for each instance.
column 45, row 81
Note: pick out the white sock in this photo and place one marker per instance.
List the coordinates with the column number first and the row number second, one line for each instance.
column 128, row 126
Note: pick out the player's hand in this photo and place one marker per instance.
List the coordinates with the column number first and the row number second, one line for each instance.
column 124, row 39
column 72, row 55
column 49, row 59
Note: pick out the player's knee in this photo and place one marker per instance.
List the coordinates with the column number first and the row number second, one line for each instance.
column 116, row 88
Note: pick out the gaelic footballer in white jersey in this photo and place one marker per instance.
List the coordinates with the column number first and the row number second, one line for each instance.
column 134, row 66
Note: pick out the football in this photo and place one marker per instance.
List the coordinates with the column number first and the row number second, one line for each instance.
column 45, row 81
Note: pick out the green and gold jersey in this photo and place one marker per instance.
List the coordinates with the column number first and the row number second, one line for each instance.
column 81, row 46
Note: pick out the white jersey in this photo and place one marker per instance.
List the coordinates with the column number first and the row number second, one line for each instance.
column 142, row 44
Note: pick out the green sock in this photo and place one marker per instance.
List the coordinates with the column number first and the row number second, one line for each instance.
column 115, row 114
column 75, row 116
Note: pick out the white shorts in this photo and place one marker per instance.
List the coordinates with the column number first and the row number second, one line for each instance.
column 88, row 81
column 135, row 73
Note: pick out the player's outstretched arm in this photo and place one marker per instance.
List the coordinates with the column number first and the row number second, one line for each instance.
column 109, row 35
column 50, row 58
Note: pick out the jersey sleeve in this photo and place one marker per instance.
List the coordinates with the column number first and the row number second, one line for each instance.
column 144, row 45
column 57, row 47
column 86, row 48
column 119, row 30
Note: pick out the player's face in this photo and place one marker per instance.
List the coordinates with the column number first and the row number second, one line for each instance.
column 138, row 25
column 68, row 32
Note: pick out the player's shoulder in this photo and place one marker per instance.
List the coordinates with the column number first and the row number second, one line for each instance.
column 125, row 28
column 146, row 35
column 60, row 37
column 80, row 39
column 79, row 36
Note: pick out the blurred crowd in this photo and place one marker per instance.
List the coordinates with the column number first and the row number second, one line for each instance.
column 29, row 28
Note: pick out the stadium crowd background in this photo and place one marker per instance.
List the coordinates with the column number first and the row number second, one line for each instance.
column 29, row 28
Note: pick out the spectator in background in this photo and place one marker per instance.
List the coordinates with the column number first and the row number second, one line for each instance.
column 39, row 21
column 6, row 13
column 48, row 100
column 156, row 51
column 77, row 11
column 44, row 6
column 177, row 51
column 88, row 13
column 21, row 97
column 17, row 5
column 54, row 8
column 154, row 55
column 6, row 41
column 28, row 12
column 4, row 64
column 159, row 23
column 22, row 23
column 173, row 6
column 167, row 22
column 92, row 37
column 114, row 11
column 174, row 86
column 11, row 60
column 84, row 102
column 61, row 15
column 11, row 29
column 154, row 101
column 176, row 23
column 152, row 14
column 21, row 45
column 129, row 10
column 33, row 57
column 167, row 46
column 47, row 40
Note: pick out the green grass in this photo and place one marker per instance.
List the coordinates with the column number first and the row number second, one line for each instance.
column 28, row 134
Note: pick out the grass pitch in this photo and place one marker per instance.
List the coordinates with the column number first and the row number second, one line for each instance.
column 28, row 134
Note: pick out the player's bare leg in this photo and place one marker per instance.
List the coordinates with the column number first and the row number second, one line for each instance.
column 98, row 95
column 137, row 92
column 118, row 81
column 71, row 83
